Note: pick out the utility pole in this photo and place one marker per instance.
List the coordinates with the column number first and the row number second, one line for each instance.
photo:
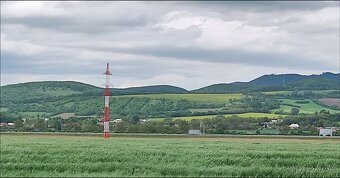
column 202, row 127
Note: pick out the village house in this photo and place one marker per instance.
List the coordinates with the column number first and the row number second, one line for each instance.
column 294, row 126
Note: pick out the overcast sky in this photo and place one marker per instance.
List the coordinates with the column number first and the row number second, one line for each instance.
column 186, row 44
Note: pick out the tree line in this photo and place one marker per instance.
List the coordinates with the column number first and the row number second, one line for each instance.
column 216, row 125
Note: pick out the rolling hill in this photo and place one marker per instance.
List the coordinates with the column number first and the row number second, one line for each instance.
column 44, row 89
column 279, row 82
column 55, row 97
column 149, row 89
column 270, row 82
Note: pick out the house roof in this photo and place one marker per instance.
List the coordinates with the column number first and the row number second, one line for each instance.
column 294, row 125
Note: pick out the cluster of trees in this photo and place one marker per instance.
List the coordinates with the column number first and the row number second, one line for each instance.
column 55, row 125
column 217, row 125
column 307, row 94
column 124, row 107
column 53, row 98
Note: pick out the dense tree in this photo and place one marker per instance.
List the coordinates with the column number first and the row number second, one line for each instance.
column 294, row 111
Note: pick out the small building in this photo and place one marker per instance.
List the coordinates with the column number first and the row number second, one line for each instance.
column 117, row 120
column 273, row 121
column 6, row 124
column 144, row 120
column 325, row 132
column 294, row 126
column 194, row 132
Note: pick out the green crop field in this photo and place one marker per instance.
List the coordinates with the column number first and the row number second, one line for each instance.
column 3, row 109
column 277, row 92
column 289, row 92
column 207, row 98
column 33, row 114
column 61, row 156
column 324, row 91
column 308, row 108
column 245, row 115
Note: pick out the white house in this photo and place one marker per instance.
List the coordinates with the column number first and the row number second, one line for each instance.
column 325, row 132
column 117, row 120
column 144, row 120
column 294, row 126
column 194, row 132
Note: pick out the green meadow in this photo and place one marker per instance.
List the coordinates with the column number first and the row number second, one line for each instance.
column 73, row 156
column 307, row 108
column 244, row 115
column 206, row 98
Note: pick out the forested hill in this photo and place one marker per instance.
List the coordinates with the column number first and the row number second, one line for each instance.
column 45, row 89
column 284, row 79
column 48, row 89
column 149, row 89
column 273, row 82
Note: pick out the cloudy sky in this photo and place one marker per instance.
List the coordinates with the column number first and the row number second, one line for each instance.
column 187, row 44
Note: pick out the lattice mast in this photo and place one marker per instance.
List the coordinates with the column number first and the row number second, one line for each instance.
column 107, row 74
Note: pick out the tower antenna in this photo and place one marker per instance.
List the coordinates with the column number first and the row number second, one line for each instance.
column 107, row 74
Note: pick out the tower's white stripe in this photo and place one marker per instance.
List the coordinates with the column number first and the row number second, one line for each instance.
column 107, row 101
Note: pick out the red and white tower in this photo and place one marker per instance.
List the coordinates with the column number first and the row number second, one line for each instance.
column 107, row 74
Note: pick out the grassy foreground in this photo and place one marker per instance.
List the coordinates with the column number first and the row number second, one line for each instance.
column 58, row 155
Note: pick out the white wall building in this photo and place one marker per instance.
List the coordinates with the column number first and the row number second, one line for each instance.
column 194, row 132
column 325, row 132
column 294, row 126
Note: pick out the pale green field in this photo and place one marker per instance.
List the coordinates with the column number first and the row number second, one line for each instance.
column 57, row 92
column 205, row 109
column 308, row 108
column 3, row 109
column 276, row 92
column 206, row 98
column 324, row 91
column 65, row 115
column 245, row 115
column 289, row 92
column 33, row 114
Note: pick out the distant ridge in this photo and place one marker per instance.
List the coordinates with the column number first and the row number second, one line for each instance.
column 45, row 89
column 275, row 82
column 272, row 82
column 150, row 89
column 283, row 79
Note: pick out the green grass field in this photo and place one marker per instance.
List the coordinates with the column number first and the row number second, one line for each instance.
column 308, row 108
column 61, row 156
column 289, row 92
column 205, row 109
column 276, row 92
column 206, row 98
column 254, row 115
column 3, row 109
column 33, row 114
column 57, row 92
column 65, row 115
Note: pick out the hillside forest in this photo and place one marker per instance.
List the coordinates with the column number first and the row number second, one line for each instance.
column 77, row 107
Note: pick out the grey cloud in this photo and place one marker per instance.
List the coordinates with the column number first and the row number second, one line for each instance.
column 230, row 56
column 130, row 28
column 66, row 24
column 266, row 5
column 22, row 64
